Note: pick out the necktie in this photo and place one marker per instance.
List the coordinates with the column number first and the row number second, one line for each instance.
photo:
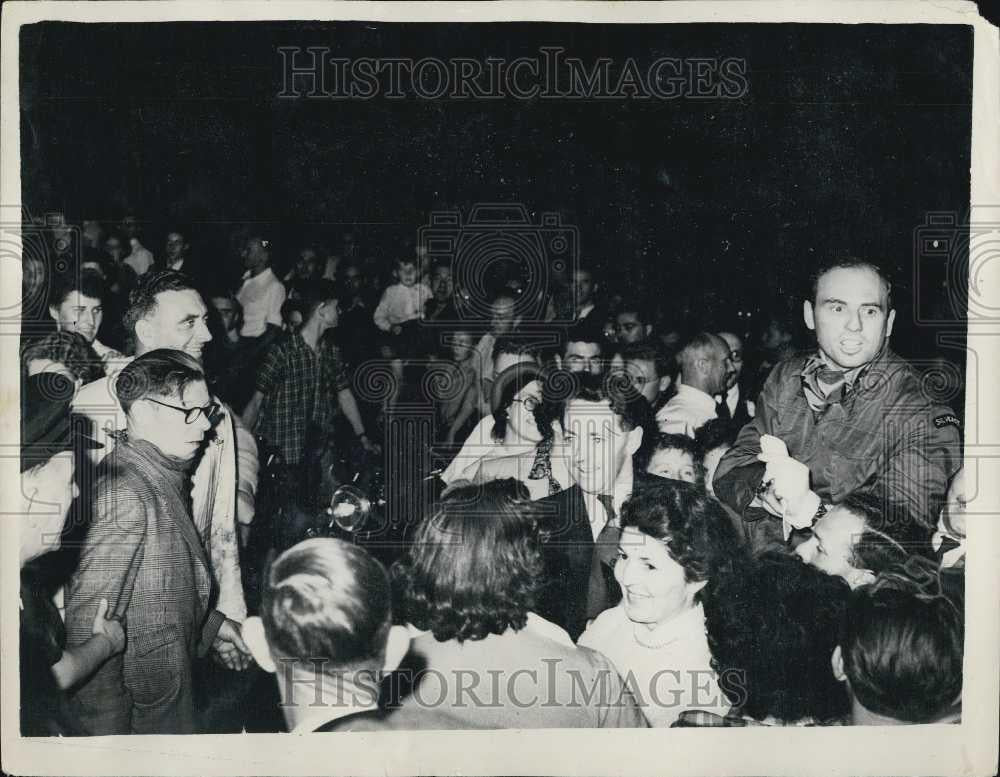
column 604, row 591
column 722, row 410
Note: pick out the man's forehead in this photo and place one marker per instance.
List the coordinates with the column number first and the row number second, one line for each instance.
column 581, row 411
column 628, row 316
column 731, row 340
column 76, row 299
column 195, row 393
column 179, row 304
column 852, row 284
column 643, row 367
column 582, row 348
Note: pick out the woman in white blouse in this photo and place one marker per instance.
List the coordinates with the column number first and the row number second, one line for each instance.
column 674, row 541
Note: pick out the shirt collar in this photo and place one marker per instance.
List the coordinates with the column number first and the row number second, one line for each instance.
column 692, row 394
column 321, row 715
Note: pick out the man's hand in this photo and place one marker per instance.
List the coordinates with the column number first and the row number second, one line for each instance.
column 230, row 649
column 109, row 627
column 788, row 490
column 369, row 446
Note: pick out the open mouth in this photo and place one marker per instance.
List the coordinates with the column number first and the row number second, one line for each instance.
column 851, row 346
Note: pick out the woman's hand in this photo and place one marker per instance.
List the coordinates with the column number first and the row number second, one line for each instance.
column 109, row 627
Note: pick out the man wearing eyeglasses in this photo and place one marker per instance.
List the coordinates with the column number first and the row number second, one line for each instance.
column 167, row 312
column 144, row 556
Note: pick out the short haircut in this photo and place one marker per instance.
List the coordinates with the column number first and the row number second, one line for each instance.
column 474, row 567
column 514, row 380
column 67, row 348
column 163, row 372
column 584, row 332
column 890, row 535
column 328, row 601
column 514, row 347
column 142, row 299
column 845, row 261
column 647, row 351
column 692, row 526
column 633, row 411
column 772, row 632
column 902, row 646
column 88, row 282
column 696, row 347
column 684, row 444
column 716, row 433
column 640, row 307
column 404, row 260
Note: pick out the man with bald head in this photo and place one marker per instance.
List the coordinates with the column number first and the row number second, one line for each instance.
column 736, row 406
column 706, row 368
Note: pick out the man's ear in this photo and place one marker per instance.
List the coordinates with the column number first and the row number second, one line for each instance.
column 634, row 440
column 54, row 313
column 396, row 647
column 837, row 663
column 253, row 634
column 558, row 361
column 889, row 322
column 648, row 329
column 665, row 382
column 807, row 314
column 143, row 331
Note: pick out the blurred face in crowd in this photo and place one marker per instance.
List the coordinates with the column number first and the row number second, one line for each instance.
column 179, row 320
column 502, row 316
column 255, row 255
column 583, row 287
column 226, row 309
column 461, row 346
column 293, row 322
column 175, row 247
column 159, row 421
column 735, row 356
column 642, row 375
column 92, row 233
column 521, row 413
column 628, row 328
column 114, row 248
column 130, row 226
column 504, row 361
column 353, row 278
column 49, row 489
column 850, row 316
column 441, row 285
column 598, row 446
column 407, row 272
column 717, row 366
column 305, row 266
column 583, row 357
column 672, row 464
column 830, row 548
column 78, row 313
column 654, row 590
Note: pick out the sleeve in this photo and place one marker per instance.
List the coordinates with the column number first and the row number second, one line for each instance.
column 225, row 554
column 381, row 316
column 336, row 373
column 739, row 472
column 213, row 622
column 110, row 558
column 276, row 298
column 617, row 706
column 271, row 370
column 925, row 453
column 247, row 468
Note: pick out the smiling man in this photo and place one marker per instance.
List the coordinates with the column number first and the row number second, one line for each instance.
column 853, row 413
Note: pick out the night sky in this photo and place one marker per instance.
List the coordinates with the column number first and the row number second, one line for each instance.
column 847, row 136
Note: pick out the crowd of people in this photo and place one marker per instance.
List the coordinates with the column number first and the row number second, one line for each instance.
column 601, row 518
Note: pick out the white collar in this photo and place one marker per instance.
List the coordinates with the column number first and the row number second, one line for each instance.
column 262, row 277
column 692, row 394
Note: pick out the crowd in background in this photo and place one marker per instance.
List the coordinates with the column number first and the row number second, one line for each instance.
column 712, row 522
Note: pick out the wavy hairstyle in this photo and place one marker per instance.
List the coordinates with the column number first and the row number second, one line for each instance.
column 474, row 566
column 772, row 631
column 693, row 526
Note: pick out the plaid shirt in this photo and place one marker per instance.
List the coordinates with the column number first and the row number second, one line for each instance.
column 299, row 388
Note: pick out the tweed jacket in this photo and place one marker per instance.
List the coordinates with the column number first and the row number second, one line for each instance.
column 143, row 554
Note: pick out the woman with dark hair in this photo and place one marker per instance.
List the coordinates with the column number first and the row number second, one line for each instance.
column 675, row 543
column 772, row 632
column 516, row 398
column 480, row 657
column 63, row 353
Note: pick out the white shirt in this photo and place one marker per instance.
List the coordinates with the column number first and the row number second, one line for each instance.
column 400, row 304
column 140, row 259
column 322, row 715
column 261, row 296
column 478, row 446
column 673, row 674
column 733, row 399
column 596, row 511
column 686, row 411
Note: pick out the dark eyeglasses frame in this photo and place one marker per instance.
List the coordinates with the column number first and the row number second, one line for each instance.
column 211, row 411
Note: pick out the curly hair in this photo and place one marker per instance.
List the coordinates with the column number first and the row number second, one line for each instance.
column 68, row 349
column 684, row 444
column 692, row 525
column 772, row 631
column 902, row 644
column 88, row 282
column 509, row 383
column 474, row 566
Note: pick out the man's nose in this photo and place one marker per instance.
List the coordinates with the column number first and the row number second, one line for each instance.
column 854, row 322
column 203, row 334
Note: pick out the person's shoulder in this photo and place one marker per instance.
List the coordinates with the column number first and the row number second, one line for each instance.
column 604, row 628
column 98, row 393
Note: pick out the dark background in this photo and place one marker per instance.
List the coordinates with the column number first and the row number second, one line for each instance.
column 848, row 136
